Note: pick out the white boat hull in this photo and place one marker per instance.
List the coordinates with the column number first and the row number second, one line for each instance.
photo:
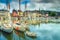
column 30, row 34
column 8, row 30
column 19, row 28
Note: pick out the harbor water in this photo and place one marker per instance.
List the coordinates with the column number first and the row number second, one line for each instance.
column 49, row 31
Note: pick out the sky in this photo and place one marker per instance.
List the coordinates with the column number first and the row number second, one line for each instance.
column 53, row 5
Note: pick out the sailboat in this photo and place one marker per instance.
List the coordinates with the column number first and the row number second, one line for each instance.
column 6, row 21
column 31, row 34
column 20, row 27
column 5, row 24
column 7, row 28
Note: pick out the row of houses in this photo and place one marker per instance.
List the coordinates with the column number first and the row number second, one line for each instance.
column 16, row 14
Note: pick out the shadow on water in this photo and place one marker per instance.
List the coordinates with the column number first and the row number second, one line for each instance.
column 22, row 36
column 15, row 35
column 19, row 35
column 44, row 31
column 7, row 36
column 0, row 34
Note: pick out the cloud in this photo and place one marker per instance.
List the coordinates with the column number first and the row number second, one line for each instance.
column 34, row 5
column 46, row 1
column 53, row 5
column 3, row 6
column 15, row 5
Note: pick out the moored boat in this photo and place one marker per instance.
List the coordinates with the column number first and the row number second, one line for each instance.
column 7, row 28
column 31, row 34
column 19, row 27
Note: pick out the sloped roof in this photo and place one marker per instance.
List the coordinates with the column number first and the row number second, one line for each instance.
column 3, row 10
column 19, row 11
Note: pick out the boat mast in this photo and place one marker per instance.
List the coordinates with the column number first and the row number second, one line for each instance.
column 25, row 7
column 19, row 4
column 8, row 7
column 19, row 9
column 8, row 4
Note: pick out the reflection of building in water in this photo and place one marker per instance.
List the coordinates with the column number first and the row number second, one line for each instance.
column 7, row 36
column 4, row 15
column 21, row 35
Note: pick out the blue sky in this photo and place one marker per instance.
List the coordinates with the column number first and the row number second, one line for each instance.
column 53, row 5
column 22, row 1
column 14, row 2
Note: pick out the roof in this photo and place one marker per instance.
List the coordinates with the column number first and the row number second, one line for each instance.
column 3, row 10
column 19, row 11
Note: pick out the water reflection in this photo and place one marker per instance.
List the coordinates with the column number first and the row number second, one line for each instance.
column 6, row 36
column 14, row 36
column 21, row 36
column 18, row 35
column 44, row 32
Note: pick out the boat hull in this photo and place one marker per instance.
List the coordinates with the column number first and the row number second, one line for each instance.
column 8, row 30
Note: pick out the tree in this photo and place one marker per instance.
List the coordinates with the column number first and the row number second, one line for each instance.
column 52, row 14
